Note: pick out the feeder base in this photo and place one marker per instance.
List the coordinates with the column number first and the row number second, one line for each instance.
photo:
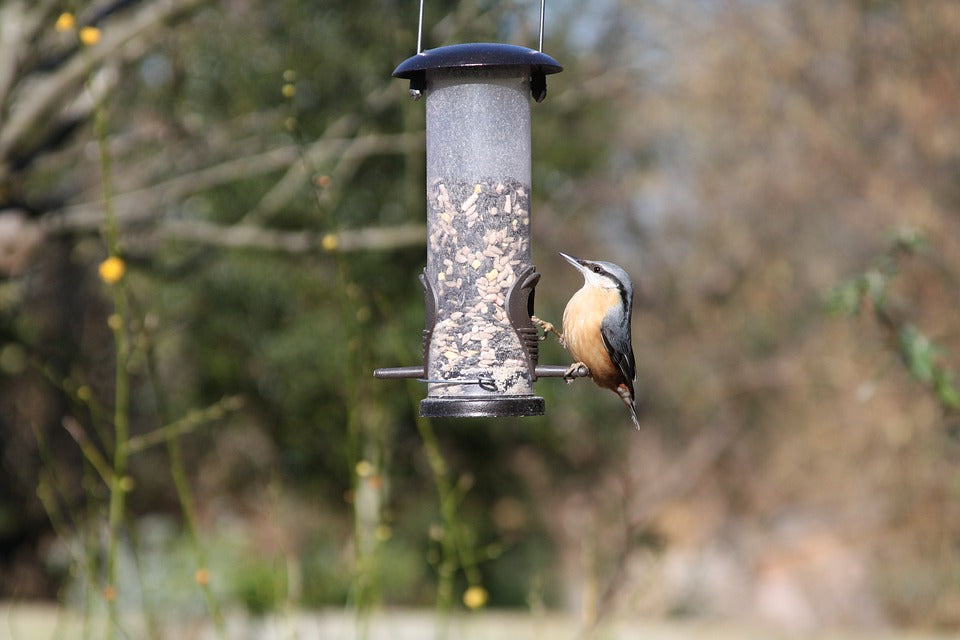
column 493, row 407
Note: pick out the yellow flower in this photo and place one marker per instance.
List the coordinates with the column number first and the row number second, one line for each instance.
column 202, row 576
column 364, row 468
column 65, row 22
column 289, row 90
column 89, row 36
column 475, row 597
column 330, row 242
column 112, row 269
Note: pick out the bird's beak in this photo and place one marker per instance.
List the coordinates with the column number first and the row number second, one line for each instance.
column 576, row 262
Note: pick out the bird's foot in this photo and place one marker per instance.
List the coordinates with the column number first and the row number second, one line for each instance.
column 548, row 328
column 576, row 370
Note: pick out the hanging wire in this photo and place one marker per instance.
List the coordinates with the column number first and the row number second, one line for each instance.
column 540, row 45
column 420, row 29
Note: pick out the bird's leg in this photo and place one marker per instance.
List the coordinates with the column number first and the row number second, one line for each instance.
column 575, row 370
column 547, row 329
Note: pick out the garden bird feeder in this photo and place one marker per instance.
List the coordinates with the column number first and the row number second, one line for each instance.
column 480, row 347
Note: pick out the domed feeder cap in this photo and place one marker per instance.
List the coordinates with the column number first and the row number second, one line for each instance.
column 479, row 55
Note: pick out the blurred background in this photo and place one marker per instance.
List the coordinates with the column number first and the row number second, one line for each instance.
column 193, row 426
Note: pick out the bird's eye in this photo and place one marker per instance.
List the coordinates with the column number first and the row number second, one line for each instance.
column 597, row 268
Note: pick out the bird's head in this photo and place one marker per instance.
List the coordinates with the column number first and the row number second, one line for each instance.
column 604, row 275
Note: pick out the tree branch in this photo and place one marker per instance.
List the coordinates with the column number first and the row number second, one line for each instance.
column 353, row 152
column 246, row 236
column 18, row 26
column 144, row 204
column 46, row 95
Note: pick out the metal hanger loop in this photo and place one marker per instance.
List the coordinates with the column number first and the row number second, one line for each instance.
column 420, row 28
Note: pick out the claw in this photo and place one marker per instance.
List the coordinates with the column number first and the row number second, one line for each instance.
column 548, row 328
column 574, row 371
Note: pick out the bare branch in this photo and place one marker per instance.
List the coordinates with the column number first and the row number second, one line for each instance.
column 146, row 203
column 295, row 242
column 18, row 25
column 353, row 153
column 47, row 95
column 190, row 422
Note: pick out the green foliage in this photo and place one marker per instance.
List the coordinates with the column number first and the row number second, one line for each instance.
column 923, row 357
column 258, row 583
column 926, row 362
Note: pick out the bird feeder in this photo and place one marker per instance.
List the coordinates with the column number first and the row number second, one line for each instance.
column 480, row 347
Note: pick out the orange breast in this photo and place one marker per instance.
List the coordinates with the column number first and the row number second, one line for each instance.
column 581, row 330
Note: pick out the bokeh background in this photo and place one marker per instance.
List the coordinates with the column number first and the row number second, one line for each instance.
column 782, row 180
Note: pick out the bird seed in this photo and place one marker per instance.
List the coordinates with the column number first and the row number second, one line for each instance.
column 478, row 242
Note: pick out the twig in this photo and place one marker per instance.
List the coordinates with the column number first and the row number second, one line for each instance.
column 121, row 413
column 294, row 242
column 90, row 452
column 186, row 424
column 352, row 152
column 147, row 203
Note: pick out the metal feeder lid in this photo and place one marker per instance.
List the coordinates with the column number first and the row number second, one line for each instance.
column 479, row 54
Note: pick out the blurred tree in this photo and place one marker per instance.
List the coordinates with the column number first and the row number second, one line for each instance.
column 741, row 159
column 264, row 170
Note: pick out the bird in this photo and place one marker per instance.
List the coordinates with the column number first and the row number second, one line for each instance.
column 596, row 329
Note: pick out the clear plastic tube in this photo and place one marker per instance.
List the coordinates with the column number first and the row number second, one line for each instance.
column 478, row 224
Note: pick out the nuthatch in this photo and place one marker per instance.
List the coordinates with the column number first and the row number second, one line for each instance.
column 596, row 328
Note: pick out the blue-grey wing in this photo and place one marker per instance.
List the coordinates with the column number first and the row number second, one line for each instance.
column 615, row 332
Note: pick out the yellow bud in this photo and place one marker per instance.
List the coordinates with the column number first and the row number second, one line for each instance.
column 112, row 269
column 89, row 36
column 65, row 22
column 475, row 597
column 114, row 321
column 289, row 90
column 202, row 576
column 364, row 468
column 330, row 242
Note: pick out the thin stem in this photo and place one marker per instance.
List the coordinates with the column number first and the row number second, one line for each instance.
column 190, row 422
column 119, row 484
column 447, row 569
column 171, row 434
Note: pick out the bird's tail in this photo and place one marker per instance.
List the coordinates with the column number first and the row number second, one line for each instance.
column 627, row 396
